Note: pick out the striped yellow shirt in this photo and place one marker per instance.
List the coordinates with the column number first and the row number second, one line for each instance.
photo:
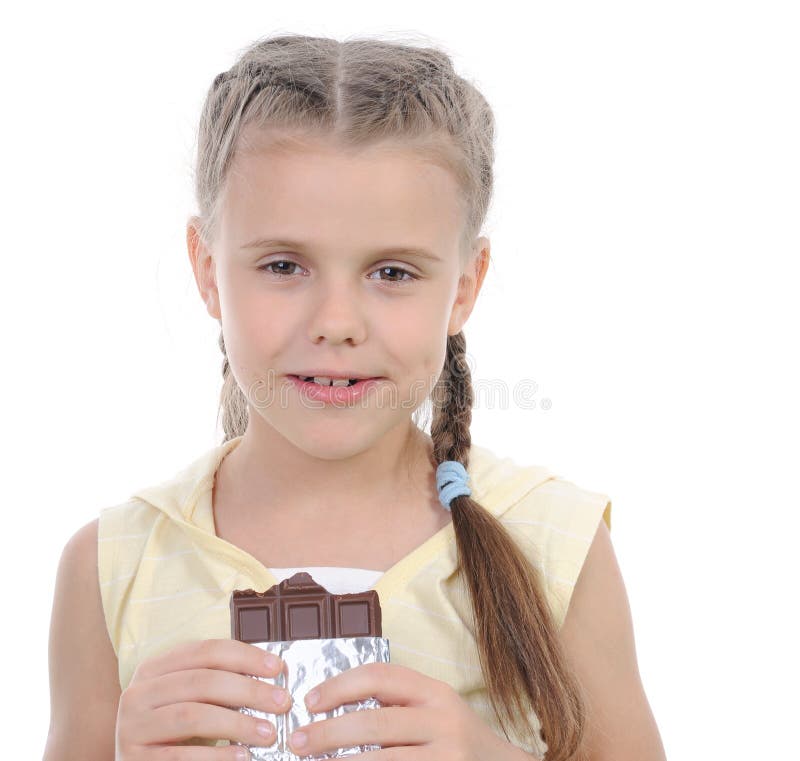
column 166, row 577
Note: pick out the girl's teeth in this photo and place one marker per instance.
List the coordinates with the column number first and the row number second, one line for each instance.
column 323, row 381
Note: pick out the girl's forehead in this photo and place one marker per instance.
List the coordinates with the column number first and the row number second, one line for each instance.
column 294, row 153
column 384, row 188
column 317, row 155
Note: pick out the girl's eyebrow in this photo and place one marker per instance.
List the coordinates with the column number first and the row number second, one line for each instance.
column 422, row 253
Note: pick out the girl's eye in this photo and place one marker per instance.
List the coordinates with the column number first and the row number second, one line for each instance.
column 265, row 267
column 284, row 273
column 411, row 275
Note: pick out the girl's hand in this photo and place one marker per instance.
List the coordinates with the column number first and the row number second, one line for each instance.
column 424, row 714
column 195, row 690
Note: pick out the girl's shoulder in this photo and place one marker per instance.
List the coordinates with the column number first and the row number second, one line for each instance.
column 552, row 518
column 505, row 487
column 124, row 516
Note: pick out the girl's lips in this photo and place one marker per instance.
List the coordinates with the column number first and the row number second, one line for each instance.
column 344, row 395
column 322, row 375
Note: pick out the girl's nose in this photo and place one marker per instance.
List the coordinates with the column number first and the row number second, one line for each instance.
column 337, row 316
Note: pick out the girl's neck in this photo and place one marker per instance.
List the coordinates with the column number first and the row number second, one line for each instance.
column 265, row 475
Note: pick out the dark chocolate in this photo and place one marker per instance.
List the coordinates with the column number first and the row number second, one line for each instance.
column 299, row 608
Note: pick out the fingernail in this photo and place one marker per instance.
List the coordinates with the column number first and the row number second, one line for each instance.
column 242, row 754
column 279, row 695
column 272, row 661
column 312, row 698
column 298, row 739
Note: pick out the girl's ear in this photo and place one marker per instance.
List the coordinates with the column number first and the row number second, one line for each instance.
column 203, row 268
column 469, row 286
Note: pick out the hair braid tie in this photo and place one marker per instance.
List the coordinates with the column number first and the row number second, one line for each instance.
column 451, row 481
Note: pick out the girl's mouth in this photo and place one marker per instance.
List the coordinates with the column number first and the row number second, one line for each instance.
column 328, row 390
column 330, row 381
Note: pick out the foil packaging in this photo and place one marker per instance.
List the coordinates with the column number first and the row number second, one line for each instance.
column 310, row 662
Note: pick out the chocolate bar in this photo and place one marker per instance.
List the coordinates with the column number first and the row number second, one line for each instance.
column 299, row 608
column 317, row 635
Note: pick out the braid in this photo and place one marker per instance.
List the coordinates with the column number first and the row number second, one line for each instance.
column 233, row 402
column 452, row 418
column 519, row 653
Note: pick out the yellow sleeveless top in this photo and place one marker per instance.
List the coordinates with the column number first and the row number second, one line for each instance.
column 166, row 577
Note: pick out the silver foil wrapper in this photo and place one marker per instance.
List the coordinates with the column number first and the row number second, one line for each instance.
column 308, row 663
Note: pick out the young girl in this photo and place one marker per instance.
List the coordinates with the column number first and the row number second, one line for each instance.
column 341, row 188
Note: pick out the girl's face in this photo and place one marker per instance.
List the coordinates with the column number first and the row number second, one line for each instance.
column 301, row 280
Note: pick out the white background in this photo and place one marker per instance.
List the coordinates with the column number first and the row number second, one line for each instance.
column 645, row 239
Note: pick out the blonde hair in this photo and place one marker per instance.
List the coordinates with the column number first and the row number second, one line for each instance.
column 360, row 92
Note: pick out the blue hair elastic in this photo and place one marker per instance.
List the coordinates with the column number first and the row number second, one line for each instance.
column 451, row 480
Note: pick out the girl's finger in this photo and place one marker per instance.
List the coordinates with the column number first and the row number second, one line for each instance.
column 370, row 726
column 182, row 721
column 206, row 753
column 220, row 688
column 390, row 683
column 226, row 654
column 407, row 753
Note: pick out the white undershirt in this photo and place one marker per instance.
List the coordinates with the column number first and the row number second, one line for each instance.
column 338, row 581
